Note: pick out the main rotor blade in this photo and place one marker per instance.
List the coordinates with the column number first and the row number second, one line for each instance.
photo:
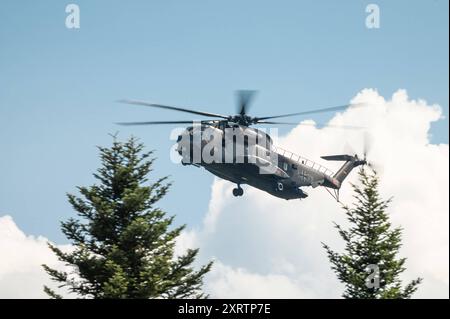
column 271, row 122
column 174, row 108
column 244, row 98
column 350, row 127
column 159, row 122
column 323, row 110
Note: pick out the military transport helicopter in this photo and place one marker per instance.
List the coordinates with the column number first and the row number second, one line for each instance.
column 262, row 165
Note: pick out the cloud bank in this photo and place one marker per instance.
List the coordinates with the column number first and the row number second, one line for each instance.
column 21, row 257
column 267, row 247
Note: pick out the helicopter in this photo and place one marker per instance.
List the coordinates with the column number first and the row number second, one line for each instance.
column 230, row 148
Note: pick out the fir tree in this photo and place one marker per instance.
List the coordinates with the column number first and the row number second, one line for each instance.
column 369, row 267
column 123, row 243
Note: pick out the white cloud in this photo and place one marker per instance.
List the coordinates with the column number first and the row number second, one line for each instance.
column 21, row 274
column 232, row 282
column 268, row 247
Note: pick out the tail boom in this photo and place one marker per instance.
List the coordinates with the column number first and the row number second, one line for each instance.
column 350, row 163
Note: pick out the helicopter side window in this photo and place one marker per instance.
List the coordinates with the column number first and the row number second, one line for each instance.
column 285, row 166
column 294, row 166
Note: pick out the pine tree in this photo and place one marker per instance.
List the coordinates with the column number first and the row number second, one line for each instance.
column 370, row 268
column 123, row 244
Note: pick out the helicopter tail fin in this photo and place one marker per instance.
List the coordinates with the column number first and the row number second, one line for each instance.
column 350, row 163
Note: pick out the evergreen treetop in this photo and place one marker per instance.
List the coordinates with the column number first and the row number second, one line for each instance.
column 123, row 245
column 369, row 267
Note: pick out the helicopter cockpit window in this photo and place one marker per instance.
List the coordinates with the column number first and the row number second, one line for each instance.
column 285, row 166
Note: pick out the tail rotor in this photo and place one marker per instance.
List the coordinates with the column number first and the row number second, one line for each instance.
column 368, row 143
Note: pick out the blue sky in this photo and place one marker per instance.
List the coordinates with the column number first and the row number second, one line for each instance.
column 58, row 86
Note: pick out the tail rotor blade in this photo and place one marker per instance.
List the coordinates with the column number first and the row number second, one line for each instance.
column 367, row 149
column 368, row 142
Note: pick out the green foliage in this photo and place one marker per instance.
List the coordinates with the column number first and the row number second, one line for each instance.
column 370, row 240
column 123, row 243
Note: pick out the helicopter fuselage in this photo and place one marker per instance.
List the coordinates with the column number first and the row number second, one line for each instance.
column 244, row 155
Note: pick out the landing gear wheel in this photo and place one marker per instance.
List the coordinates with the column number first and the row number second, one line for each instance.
column 238, row 191
column 280, row 186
